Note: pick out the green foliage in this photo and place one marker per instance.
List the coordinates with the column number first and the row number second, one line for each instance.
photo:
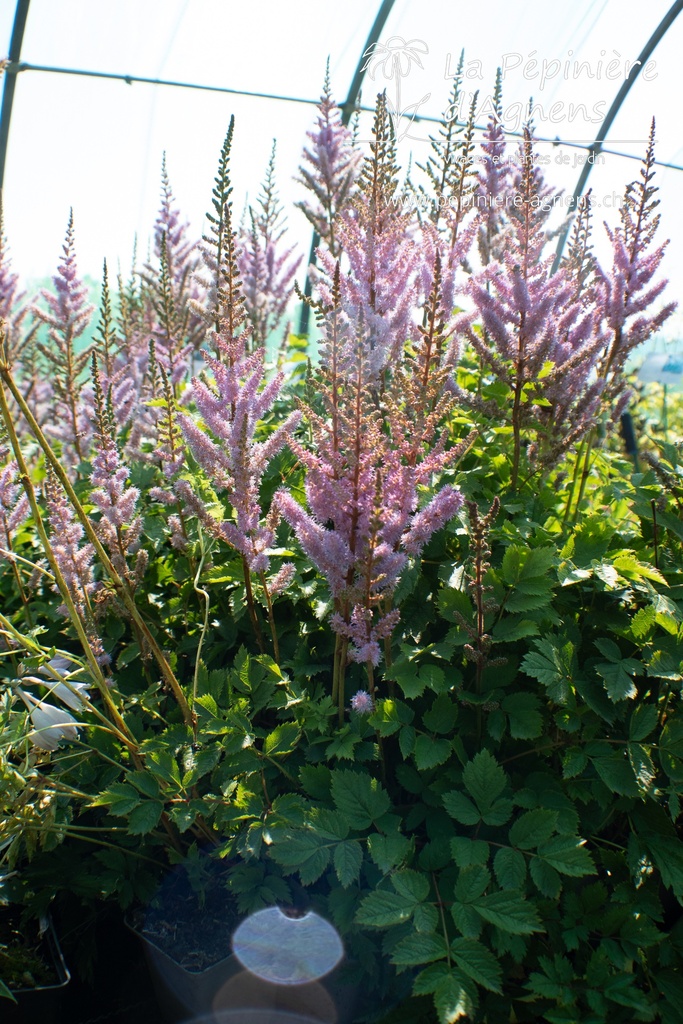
column 503, row 830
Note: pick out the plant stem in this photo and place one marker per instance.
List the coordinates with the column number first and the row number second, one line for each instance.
column 252, row 606
column 120, row 585
column 59, row 579
column 271, row 618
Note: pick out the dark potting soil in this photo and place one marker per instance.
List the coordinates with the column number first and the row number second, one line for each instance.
column 194, row 928
column 25, row 960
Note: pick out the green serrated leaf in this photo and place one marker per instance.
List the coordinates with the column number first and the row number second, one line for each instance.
column 616, row 773
column 411, row 884
column 522, row 709
column 388, row 851
column 643, row 768
column 469, row 851
column 144, row 782
column 282, row 740
column 428, row 979
column 326, row 824
column 461, row 808
column 509, row 911
column 642, row 622
column 145, row 817
column 484, row 779
column 472, row 883
column 430, row 752
column 568, row 855
column 418, row 949
column 532, row 828
column 348, row 857
column 546, row 878
column 381, row 909
column 359, row 797
column 454, row 998
column 406, row 740
column 671, row 749
column 441, row 716
column 617, row 678
column 300, row 850
column 426, row 918
column 478, row 963
column 643, row 721
column 552, row 666
column 120, row 798
column 573, row 763
column 509, row 867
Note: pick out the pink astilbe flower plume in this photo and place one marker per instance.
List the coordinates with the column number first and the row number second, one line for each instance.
column 118, row 527
column 365, row 474
column 223, row 309
column 628, row 288
column 12, row 310
column 495, row 193
column 539, row 337
column 330, row 170
column 169, row 287
column 382, row 255
column 74, row 558
column 225, row 445
column 267, row 267
column 14, row 506
column 67, row 316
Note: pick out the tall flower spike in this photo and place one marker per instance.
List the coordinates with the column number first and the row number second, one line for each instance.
column 75, row 559
column 267, row 267
column 231, row 409
column 12, row 312
column 333, row 165
column 67, row 316
column 494, row 193
column 119, row 528
column 628, row 290
column 223, row 309
column 365, row 473
column 174, row 279
column 439, row 165
column 14, row 506
column 538, row 338
column 383, row 257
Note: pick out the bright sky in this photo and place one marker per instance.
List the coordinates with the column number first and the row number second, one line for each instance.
column 97, row 145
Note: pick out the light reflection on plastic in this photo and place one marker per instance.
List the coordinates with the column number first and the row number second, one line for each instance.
column 287, row 950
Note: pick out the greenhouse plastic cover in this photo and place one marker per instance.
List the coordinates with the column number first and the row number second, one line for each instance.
column 96, row 144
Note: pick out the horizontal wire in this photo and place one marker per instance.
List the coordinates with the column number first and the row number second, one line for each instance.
column 17, row 67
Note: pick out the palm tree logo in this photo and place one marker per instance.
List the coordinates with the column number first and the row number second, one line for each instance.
column 395, row 59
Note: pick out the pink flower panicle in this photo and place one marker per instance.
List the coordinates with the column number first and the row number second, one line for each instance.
column 330, row 170
column 12, row 310
column 118, row 527
column 628, row 288
column 494, row 189
column 67, row 316
column 541, row 338
column 14, row 507
column 231, row 410
column 266, row 267
column 370, row 462
column 75, row 559
column 379, row 290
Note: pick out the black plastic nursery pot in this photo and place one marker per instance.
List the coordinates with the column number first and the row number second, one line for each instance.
column 42, row 1003
column 227, row 993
